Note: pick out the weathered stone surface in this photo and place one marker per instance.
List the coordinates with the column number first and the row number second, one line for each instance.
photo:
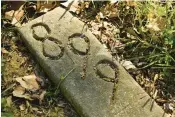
column 106, row 71
column 51, row 49
column 83, row 67
column 40, row 31
column 80, row 45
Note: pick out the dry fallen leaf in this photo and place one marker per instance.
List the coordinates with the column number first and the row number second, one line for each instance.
column 4, row 51
column 22, row 107
column 19, row 14
column 34, row 96
column 41, row 97
column 9, row 14
column 156, row 77
column 161, row 100
column 45, row 6
column 110, row 11
column 113, row 1
column 28, row 82
column 16, row 22
column 20, row 92
column 87, row 4
column 9, row 101
column 97, row 17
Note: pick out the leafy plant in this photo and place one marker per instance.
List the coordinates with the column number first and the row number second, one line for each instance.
column 154, row 47
column 148, row 36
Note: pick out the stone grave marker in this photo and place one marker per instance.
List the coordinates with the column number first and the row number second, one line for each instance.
column 94, row 82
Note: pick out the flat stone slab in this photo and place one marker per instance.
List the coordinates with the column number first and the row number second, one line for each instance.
column 94, row 83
